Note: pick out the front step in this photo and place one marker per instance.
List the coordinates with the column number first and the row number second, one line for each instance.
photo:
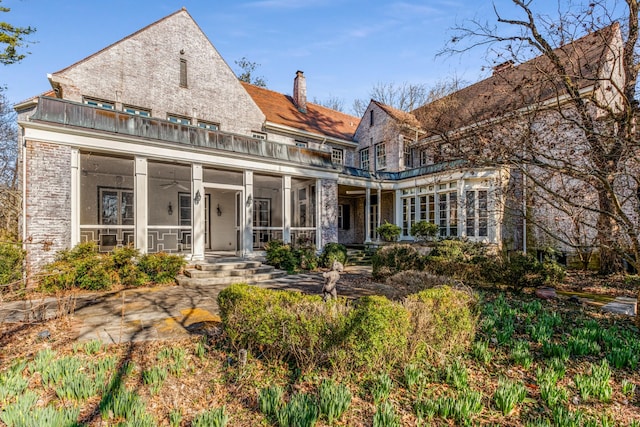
column 227, row 272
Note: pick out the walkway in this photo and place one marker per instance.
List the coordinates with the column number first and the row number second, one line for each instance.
column 169, row 312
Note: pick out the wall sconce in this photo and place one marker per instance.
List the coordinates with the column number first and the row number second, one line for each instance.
column 197, row 197
column 218, row 210
column 249, row 200
column 170, row 209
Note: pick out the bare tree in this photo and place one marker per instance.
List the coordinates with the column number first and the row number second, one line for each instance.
column 332, row 102
column 247, row 73
column 566, row 120
column 9, row 192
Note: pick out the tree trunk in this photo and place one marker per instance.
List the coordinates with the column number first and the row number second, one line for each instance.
column 610, row 260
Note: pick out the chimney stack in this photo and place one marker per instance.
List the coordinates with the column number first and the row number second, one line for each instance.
column 300, row 91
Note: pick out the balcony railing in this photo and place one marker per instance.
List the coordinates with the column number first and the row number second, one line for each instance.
column 74, row 114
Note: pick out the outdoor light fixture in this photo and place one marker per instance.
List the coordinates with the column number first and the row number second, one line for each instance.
column 170, row 209
column 197, row 197
column 218, row 210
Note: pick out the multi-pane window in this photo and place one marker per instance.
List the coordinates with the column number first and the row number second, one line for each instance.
column 337, row 156
column 364, row 159
column 179, row 120
column 477, row 213
column 116, row 206
column 408, row 214
column 381, row 156
column 258, row 135
column 424, row 157
column 183, row 72
column 107, row 105
column 136, row 110
column 208, row 125
column 427, row 208
column 407, row 155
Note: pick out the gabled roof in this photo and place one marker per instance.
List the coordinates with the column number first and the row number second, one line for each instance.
column 183, row 10
column 400, row 116
column 280, row 109
column 519, row 86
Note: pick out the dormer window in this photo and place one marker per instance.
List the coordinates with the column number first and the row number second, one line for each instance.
column 179, row 120
column 107, row 105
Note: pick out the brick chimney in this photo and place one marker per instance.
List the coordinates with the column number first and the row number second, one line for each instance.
column 300, row 91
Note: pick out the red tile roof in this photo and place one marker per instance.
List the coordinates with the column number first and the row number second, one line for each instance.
column 325, row 122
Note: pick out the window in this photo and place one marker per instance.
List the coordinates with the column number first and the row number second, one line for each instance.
column 107, row 105
column 208, row 125
column 116, row 206
column 301, row 144
column 344, row 217
column 427, row 208
column 337, row 156
column 183, row 72
column 477, row 213
column 258, row 135
column 424, row 158
column 184, row 206
column 370, row 117
column 364, row 159
column 448, row 214
column 179, row 120
column 408, row 214
column 381, row 156
column 407, row 155
column 136, row 110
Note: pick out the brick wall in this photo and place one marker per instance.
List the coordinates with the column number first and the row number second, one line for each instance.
column 48, row 202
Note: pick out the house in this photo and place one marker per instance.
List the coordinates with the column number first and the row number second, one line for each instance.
column 154, row 142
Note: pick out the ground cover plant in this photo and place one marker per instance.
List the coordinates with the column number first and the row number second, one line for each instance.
column 517, row 370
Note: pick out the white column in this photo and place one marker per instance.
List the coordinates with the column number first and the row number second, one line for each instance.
column 379, row 219
column 198, row 223
column 75, row 196
column 320, row 221
column 462, row 211
column 367, row 215
column 398, row 207
column 247, row 232
column 141, row 199
column 286, row 208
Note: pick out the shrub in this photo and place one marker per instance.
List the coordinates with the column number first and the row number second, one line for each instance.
column 333, row 252
column 390, row 260
column 460, row 259
column 424, row 230
column 523, row 270
column 280, row 255
column 389, row 232
column 415, row 281
column 80, row 267
column 124, row 263
column 11, row 257
column 377, row 333
column 161, row 267
column 443, row 322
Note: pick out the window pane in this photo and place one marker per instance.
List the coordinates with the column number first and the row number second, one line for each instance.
column 482, row 213
column 471, row 212
column 127, row 208
column 453, row 214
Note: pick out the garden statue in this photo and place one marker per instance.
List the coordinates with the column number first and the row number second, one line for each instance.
column 331, row 280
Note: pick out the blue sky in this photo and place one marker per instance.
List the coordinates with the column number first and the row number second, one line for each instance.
column 344, row 47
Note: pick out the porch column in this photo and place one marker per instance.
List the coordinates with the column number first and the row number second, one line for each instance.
column 197, row 225
column 247, row 203
column 398, row 207
column 286, row 206
column 141, row 196
column 367, row 215
column 379, row 213
column 462, row 209
column 75, row 196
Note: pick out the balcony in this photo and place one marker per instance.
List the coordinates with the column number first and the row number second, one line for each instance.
column 73, row 114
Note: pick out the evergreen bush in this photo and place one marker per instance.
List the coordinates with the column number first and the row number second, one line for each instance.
column 333, row 252
column 390, row 260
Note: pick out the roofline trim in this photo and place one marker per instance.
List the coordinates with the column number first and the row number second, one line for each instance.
column 322, row 138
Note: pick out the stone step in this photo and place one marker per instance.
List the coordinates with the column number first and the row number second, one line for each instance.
column 183, row 280
column 240, row 272
column 232, row 265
